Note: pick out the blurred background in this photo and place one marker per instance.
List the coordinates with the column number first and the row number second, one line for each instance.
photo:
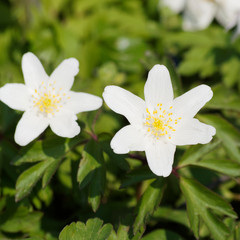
column 116, row 42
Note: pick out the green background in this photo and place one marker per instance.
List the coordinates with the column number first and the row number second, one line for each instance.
column 54, row 182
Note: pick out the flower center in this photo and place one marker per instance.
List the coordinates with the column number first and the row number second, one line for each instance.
column 159, row 122
column 47, row 99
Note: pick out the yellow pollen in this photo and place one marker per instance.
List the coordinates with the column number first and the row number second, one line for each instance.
column 48, row 101
column 159, row 122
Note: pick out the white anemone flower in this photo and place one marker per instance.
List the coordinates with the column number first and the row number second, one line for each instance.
column 198, row 14
column 47, row 100
column 175, row 5
column 160, row 122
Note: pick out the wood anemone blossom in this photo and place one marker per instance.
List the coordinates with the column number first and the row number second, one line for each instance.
column 160, row 122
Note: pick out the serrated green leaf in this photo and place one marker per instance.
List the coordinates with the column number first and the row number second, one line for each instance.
column 29, row 178
column 226, row 132
column 19, row 218
column 196, row 152
column 92, row 230
column 122, row 232
column 148, row 203
column 200, row 202
column 112, row 236
column 91, row 157
column 162, row 235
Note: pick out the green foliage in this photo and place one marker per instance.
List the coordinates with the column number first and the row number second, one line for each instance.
column 162, row 235
column 52, row 187
column 201, row 202
column 92, row 230
column 148, row 203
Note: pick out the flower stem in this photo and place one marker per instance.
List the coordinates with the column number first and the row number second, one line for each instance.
column 174, row 171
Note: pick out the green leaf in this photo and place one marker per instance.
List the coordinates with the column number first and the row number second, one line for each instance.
column 229, row 135
column 179, row 216
column 53, row 147
column 29, row 178
column 122, row 232
column 16, row 219
column 224, row 166
column 230, row 101
column 91, row 160
column 201, row 202
column 117, row 159
column 148, row 203
column 97, row 187
column 136, row 176
column 92, row 230
column 196, row 152
column 162, row 235
column 49, row 172
column 230, row 71
column 175, row 78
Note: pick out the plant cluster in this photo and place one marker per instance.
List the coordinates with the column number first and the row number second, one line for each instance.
column 87, row 175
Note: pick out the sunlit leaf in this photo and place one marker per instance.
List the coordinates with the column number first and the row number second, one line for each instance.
column 204, row 204
column 196, row 152
column 94, row 229
column 148, row 203
column 229, row 135
column 91, row 160
column 29, row 178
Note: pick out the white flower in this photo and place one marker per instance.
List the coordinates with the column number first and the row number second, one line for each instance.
column 198, row 14
column 47, row 100
column 175, row 5
column 237, row 32
column 160, row 122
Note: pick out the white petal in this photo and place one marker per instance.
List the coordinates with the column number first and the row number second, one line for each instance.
column 63, row 75
column 15, row 95
column 192, row 132
column 237, row 31
column 188, row 104
column 160, row 158
column 64, row 125
column 125, row 103
column 128, row 139
column 33, row 70
column 29, row 127
column 175, row 5
column 82, row 102
column 158, row 88
column 198, row 14
column 228, row 12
